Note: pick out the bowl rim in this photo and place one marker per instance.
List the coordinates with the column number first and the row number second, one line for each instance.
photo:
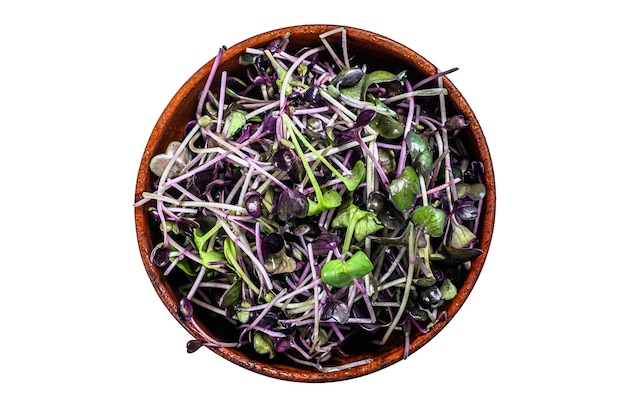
column 169, row 297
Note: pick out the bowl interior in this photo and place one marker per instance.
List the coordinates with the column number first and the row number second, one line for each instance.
column 375, row 51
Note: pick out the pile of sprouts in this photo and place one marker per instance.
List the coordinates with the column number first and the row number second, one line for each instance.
column 312, row 203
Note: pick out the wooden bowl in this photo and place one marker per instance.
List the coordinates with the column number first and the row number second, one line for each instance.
column 377, row 50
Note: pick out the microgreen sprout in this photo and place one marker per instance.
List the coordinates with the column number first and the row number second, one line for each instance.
column 310, row 203
column 340, row 273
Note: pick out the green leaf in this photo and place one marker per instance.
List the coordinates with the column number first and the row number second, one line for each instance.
column 477, row 191
column 353, row 92
column 358, row 223
column 366, row 225
column 243, row 316
column 460, row 236
column 337, row 273
column 426, row 281
column 460, row 255
column 330, row 200
column 234, row 122
column 356, row 177
column 359, row 265
column 375, row 77
column 387, row 160
column 230, row 252
column 342, row 220
column 462, row 190
column 430, row 92
column 208, row 257
column 419, row 150
column 201, row 239
column 335, row 93
column 277, row 263
column 432, row 219
column 301, row 69
column 263, row 344
column 448, row 289
column 248, row 58
column 405, row 188
column 359, row 91
column 204, row 121
column 382, row 108
column 232, row 295
column 387, row 127
column 184, row 266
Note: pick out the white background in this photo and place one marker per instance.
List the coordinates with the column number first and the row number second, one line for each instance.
column 82, row 85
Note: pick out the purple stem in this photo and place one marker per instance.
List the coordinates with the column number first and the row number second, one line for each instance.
column 208, row 83
column 435, row 76
column 366, row 150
